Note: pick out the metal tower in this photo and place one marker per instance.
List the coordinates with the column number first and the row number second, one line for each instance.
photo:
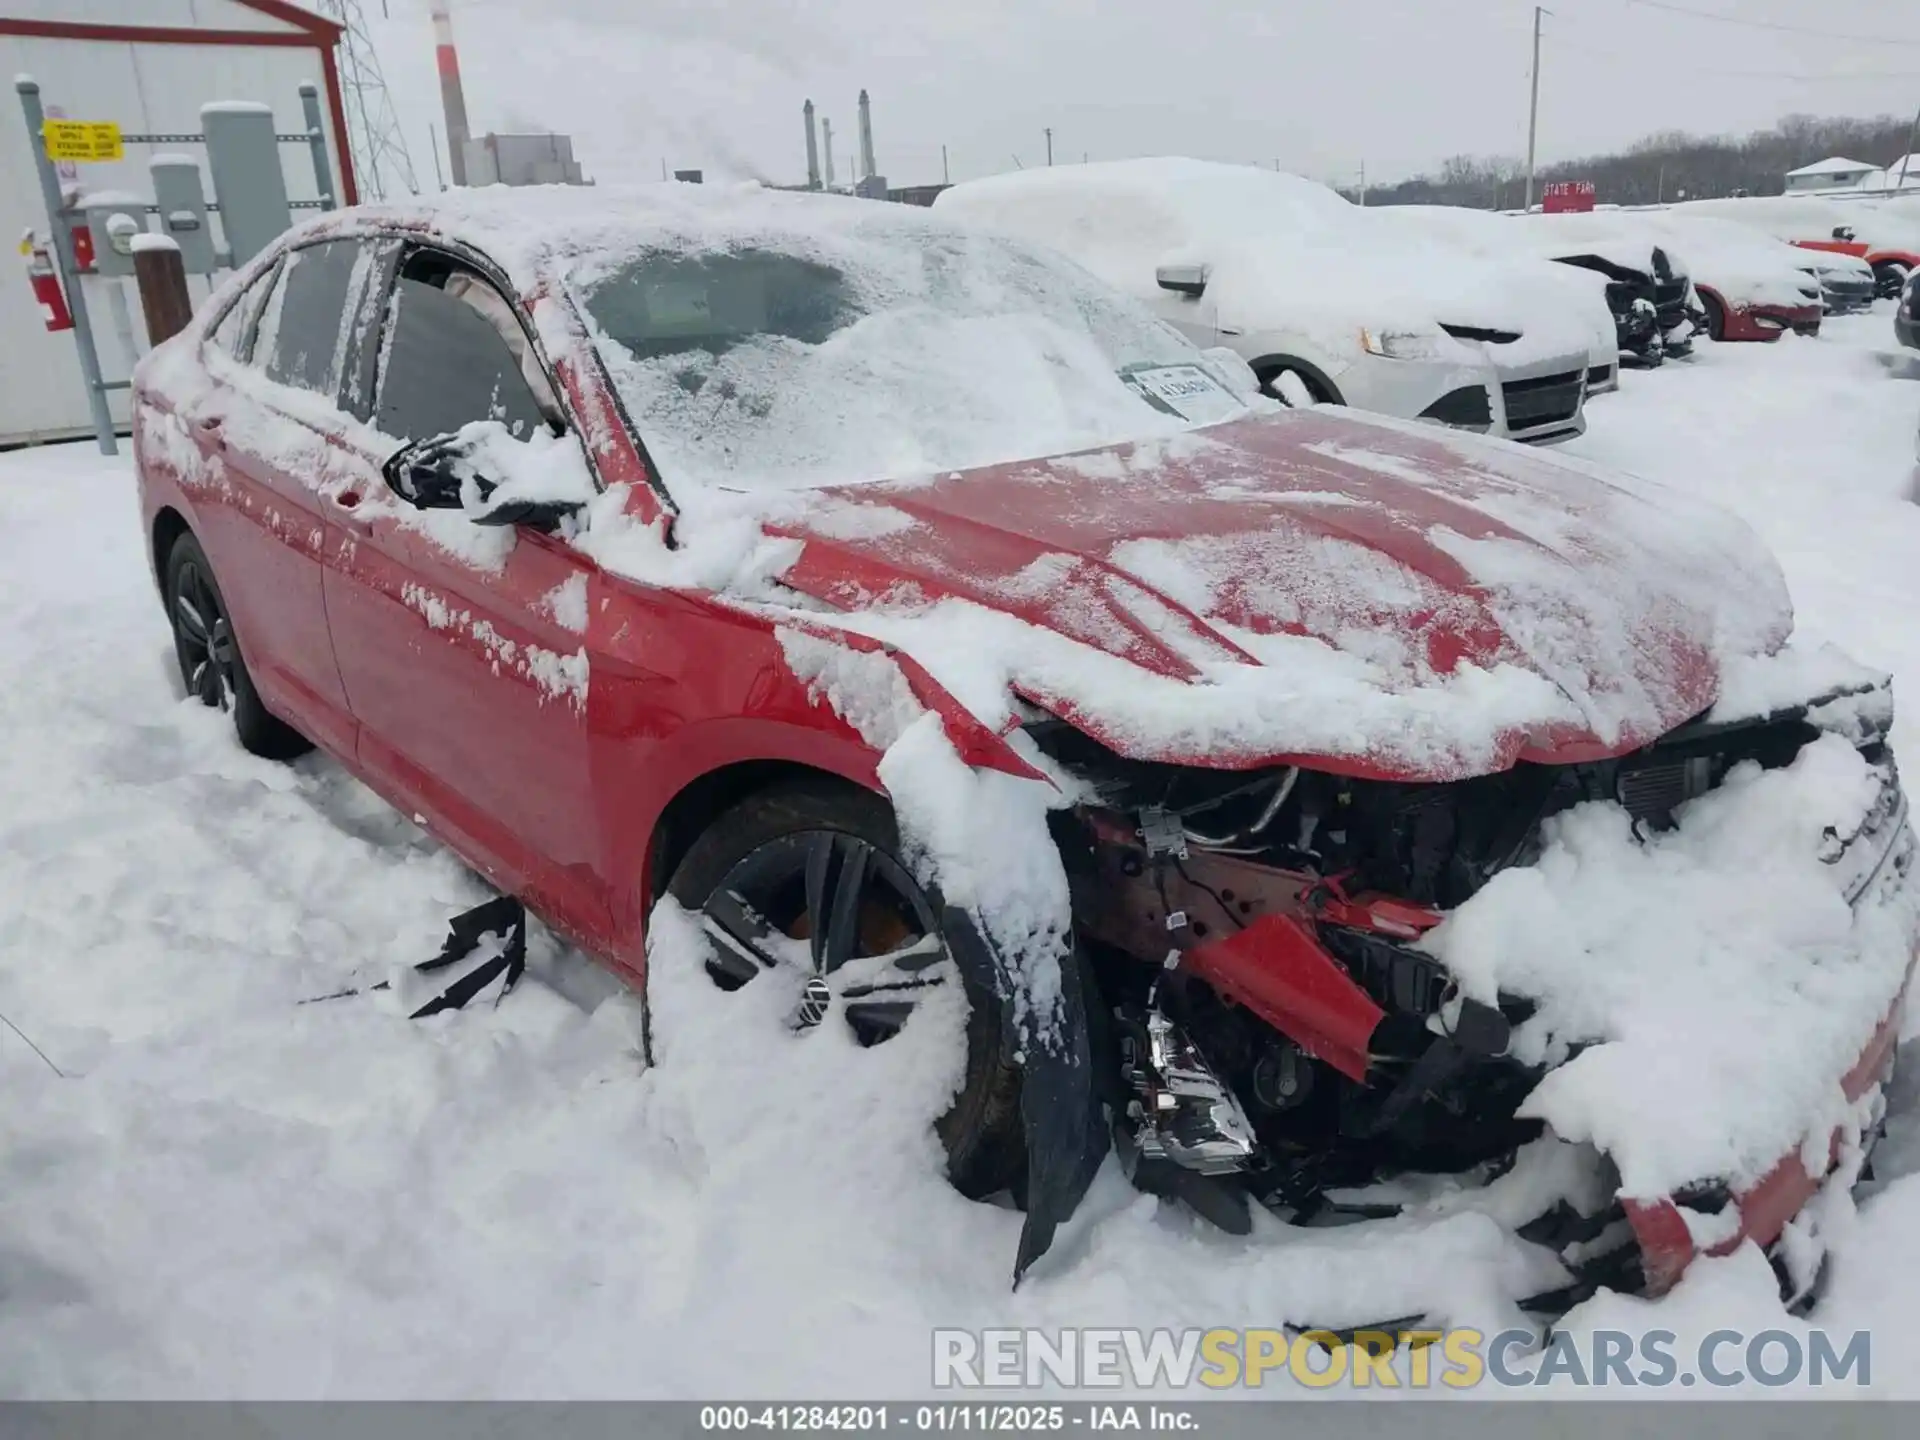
column 375, row 138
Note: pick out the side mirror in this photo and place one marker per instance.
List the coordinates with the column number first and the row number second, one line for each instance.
column 1188, row 280
column 428, row 474
column 434, row 475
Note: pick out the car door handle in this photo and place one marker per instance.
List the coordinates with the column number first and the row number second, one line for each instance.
column 348, row 499
column 210, row 430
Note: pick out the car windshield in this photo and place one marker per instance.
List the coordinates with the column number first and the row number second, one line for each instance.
column 878, row 346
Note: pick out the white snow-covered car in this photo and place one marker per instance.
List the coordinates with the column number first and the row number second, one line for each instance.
column 1324, row 306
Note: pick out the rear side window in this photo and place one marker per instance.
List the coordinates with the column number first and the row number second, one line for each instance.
column 453, row 355
column 303, row 328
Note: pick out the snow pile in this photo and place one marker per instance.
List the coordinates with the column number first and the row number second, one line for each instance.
column 1711, row 985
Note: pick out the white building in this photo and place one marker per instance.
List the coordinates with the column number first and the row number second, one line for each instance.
column 1834, row 173
column 522, row 160
column 148, row 66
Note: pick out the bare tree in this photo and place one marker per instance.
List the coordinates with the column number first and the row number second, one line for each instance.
column 1665, row 165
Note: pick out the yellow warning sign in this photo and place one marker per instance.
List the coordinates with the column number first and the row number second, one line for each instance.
column 83, row 140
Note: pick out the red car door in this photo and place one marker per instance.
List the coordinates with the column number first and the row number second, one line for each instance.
column 463, row 648
column 268, row 436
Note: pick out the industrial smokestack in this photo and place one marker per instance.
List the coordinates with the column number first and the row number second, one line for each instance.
column 826, row 136
column 867, row 168
column 813, row 150
column 452, row 98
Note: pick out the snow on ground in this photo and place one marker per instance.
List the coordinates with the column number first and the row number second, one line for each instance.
column 225, row 1192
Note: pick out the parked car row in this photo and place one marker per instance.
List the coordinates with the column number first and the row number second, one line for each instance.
column 1322, row 304
column 1500, row 324
column 1886, row 239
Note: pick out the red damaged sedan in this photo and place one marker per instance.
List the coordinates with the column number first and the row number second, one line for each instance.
column 823, row 596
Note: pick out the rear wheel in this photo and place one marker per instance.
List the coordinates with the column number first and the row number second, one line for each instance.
column 211, row 665
column 1890, row 278
column 808, row 878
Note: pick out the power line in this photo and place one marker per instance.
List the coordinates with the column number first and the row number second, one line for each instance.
column 1777, row 25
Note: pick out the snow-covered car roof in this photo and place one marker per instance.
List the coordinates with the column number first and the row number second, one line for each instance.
column 1891, row 225
column 1611, row 235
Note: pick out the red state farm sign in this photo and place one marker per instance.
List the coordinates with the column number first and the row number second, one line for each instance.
column 1565, row 197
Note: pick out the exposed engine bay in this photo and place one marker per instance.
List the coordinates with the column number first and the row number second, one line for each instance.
column 1279, row 1033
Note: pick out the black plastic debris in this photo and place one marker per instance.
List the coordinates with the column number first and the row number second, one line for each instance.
column 503, row 920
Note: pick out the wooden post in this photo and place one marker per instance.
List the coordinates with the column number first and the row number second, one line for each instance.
column 162, row 278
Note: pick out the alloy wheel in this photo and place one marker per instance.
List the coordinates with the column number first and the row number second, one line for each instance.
column 839, row 915
column 203, row 637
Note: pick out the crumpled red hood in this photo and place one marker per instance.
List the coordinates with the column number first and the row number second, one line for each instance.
column 1414, row 552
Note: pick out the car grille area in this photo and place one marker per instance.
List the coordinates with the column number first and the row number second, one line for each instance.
column 1651, row 792
column 1543, row 400
column 1467, row 408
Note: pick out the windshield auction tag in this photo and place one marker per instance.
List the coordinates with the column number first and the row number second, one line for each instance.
column 1187, row 390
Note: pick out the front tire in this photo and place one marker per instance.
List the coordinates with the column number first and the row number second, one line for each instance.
column 1295, row 388
column 208, row 652
column 1716, row 318
column 819, row 863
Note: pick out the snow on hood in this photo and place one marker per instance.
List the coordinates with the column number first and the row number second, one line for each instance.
column 1380, row 597
column 1283, row 252
column 1527, row 263
column 1603, row 234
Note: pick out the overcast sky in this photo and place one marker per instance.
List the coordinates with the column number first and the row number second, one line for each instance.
column 1320, row 86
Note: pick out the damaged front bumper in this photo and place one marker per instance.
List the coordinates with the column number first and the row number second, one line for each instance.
column 1879, row 856
column 1283, row 1035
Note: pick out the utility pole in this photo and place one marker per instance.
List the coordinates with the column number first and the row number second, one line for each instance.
column 1363, row 184
column 1049, row 145
column 945, row 178
column 1533, row 109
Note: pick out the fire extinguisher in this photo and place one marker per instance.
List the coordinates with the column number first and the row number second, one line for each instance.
column 46, row 284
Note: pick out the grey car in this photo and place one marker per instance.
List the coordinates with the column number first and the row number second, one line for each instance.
column 1906, row 319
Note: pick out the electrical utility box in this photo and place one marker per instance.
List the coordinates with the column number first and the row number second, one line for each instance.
column 244, row 156
column 114, row 220
column 182, row 203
